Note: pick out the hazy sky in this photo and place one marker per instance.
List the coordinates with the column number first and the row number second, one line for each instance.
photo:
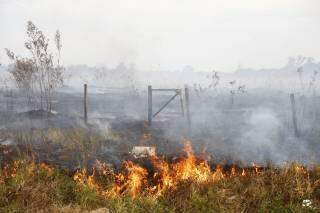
column 169, row 34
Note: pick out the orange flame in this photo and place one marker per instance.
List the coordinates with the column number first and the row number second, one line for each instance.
column 136, row 180
column 136, row 177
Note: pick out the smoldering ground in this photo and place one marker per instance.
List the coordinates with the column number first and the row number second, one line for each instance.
column 255, row 127
column 262, row 132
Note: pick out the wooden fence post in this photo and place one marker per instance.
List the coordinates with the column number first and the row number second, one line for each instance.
column 7, row 99
column 149, row 105
column 187, row 101
column 294, row 115
column 181, row 102
column 85, row 103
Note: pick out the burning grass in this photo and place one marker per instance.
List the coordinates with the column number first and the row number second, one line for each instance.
column 187, row 184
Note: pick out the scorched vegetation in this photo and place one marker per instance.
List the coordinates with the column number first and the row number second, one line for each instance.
column 188, row 183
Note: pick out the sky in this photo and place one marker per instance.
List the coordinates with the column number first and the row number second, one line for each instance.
column 169, row 34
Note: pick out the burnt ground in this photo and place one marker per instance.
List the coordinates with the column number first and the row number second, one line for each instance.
column 112, row 150
column 257, row 128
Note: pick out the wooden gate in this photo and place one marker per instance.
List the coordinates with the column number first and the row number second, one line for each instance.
column 185, row 105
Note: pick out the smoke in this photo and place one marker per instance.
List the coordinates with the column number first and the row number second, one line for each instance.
column 261, row 140
column 261, row 134
column 255, row 127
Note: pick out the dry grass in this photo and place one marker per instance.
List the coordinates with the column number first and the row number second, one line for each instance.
column 27, row 186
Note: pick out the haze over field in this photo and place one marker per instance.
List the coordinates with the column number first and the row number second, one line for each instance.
column 170, row 34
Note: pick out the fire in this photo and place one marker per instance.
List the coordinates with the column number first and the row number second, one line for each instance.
column 135, row 180
column 164, row 174
column 243, row 173
column 218, row 174
column 188, row 168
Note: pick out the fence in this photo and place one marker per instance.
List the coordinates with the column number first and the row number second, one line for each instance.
column 111, row 103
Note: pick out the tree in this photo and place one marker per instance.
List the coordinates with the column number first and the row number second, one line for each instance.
column 41, row 74
column 23, row 73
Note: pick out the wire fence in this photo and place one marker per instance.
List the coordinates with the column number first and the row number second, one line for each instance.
column 111, row 103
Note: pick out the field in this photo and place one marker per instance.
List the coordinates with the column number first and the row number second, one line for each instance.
column 242, row 158
column 187, row 184
column 159, row 106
